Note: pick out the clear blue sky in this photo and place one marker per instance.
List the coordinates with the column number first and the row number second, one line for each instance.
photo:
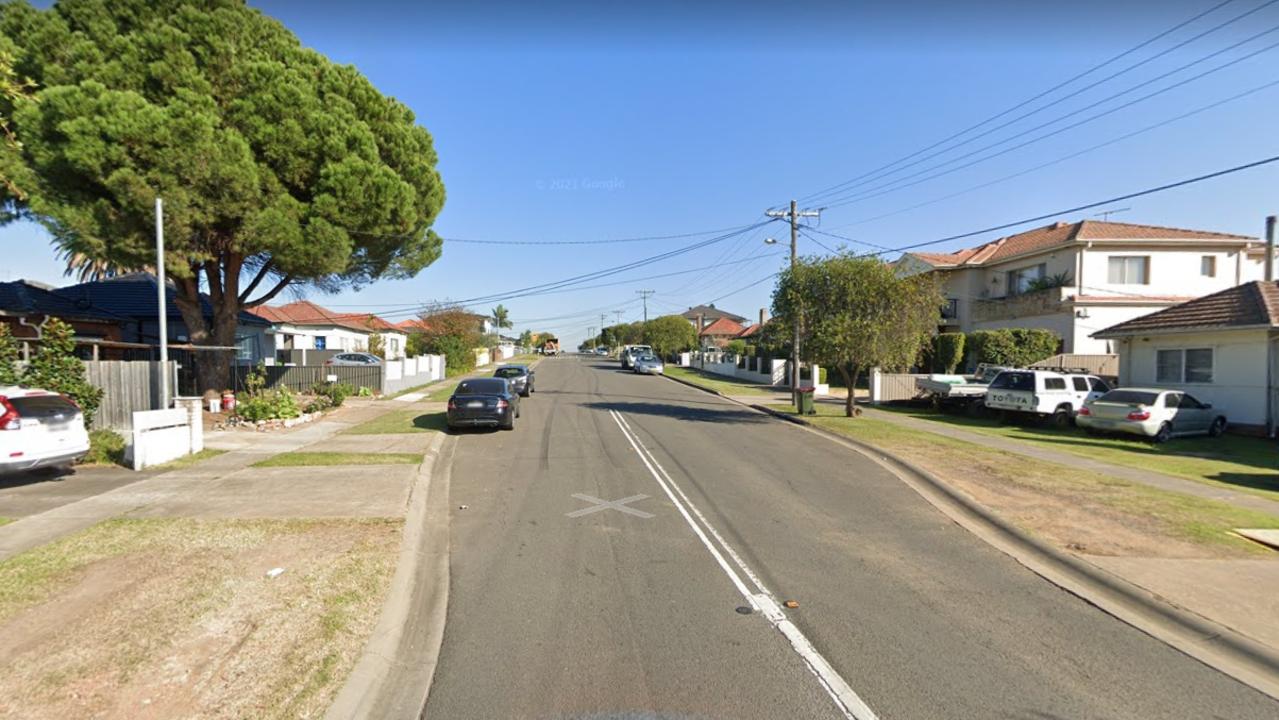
column 596, row 120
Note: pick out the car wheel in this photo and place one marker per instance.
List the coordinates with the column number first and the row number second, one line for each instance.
column 510, row 425
column 1060, row 418
column 1217, row 428
column 1164, row 434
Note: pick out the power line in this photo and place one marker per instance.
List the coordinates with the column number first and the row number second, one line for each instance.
column 832, row 189
column 837, row 236
column 593, row 242
column 1089, row 206
column 901, row 183
column 820, row 244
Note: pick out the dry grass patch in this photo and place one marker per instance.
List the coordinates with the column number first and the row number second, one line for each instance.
column 176, row 617
column 310, row 459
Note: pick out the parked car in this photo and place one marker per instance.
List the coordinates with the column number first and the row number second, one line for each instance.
column 484, row 402
column 648, row 364
column 39, row 429
column 630, row 352
column 1153, row 413
column 960, row 392
column 601, row 350
column 354, row 359
column 520, row 377
column 1043, row 393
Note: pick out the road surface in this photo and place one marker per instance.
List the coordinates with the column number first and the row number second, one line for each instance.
column 624, row 551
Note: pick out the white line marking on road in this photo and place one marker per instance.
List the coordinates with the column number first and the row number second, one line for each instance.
column 848, row 702
column 619, row 505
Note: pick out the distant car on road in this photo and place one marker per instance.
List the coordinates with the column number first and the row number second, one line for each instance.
column 648, row 364
column 630, row 352
column 353, row 359
column 601, row 350
column 484, row 402
column 1157, row 414
column 520, row 377
column 39, row 429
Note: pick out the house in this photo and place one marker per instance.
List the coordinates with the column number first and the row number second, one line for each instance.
column 701, row 315
column 719, row 333
column 133, row 299
column 483, row 324
column 304, row 326
column 1077, row 278
column 1220, row 348
column 25, row 305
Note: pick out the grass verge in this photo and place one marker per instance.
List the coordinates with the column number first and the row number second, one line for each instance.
column 716, row 382
column 189, row 460
column 401, row 421
column 5, row 521
column 310, row 459
column 176, row 617
column 1239, row 463
column 1079, row 510
column 106, row 447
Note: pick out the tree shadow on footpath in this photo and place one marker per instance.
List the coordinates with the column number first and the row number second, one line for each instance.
column 722, row 413
column 432, row 421
column 1254, row 481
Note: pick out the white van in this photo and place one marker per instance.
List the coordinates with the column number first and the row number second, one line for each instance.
column 1044, row 393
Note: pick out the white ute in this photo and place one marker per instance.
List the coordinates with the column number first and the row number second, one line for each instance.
column 1043, row 393
column 39, row 429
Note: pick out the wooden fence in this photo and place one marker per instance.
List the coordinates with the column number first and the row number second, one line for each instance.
column 893, row 387
column 127, row 386
column 301, row 378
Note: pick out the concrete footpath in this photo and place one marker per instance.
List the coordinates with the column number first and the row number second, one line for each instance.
column 1239, row 594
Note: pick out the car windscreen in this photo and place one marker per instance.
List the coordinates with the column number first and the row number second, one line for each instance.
column 1132, row 397
column 43, row 406
column 510, row 372
column 648, row 358
column 481, row 386
column 1014, row 381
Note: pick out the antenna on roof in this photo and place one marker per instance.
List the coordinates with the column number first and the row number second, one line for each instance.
column 1105, row 214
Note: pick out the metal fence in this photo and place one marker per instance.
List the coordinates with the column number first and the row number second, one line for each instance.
column 301, row 378
column 127, row 386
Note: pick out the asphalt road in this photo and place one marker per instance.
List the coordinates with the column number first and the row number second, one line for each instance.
column 638, row 612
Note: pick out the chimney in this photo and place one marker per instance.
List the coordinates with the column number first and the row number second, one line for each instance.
column 701, row 323
column 763, row 316
column 1270, row 249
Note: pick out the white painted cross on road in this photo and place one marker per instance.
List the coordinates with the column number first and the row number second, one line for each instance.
column 619, row 505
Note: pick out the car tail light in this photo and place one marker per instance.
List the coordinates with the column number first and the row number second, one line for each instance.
column 1085, row 411
column 502, row 404
column 1139, row 414
column 10, row 419
column 452, row 404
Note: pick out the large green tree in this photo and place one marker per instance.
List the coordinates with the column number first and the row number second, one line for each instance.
column 277, row 166
column 670, row 334
column 502, row 318
column 856, row 313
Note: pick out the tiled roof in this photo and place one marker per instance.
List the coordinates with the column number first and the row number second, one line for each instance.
column 1248, row 305
column 709, row 312
column 750, row 331
column 23, row 298
column 305, row 312
column 723, row 326
column 1051, row 236
column 134, row 296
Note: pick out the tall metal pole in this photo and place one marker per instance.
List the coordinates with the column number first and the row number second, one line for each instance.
column 162, row 300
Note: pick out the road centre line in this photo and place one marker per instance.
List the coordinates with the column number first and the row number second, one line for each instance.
column 848, row 702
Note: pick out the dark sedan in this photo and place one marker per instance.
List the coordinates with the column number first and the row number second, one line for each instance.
column 484, row 402
column 519, row 376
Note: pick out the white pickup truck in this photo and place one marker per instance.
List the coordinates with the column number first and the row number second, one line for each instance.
column 1043, row 393
column 961, row 392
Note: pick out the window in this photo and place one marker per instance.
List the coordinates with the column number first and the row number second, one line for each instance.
column 1054, row 383
column 1013, row 381
column 1099, row 385
column 1208, row 266
column 1081, row 384
column 1172, row 400
column 1184, row 366
column 321, row 342
column 1129, row 270
column 1019, row 280
column 1192, row 403
column 244, row 347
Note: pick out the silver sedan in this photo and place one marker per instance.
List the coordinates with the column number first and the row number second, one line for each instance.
column 648, row 365
column 1151, row 412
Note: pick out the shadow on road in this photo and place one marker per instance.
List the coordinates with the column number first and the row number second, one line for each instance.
column 720, row 414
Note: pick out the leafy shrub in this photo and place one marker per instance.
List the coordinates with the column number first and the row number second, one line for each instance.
column 319, row 404
column 105, row 448
column 9, row 374
column 365, row 391
column 948, row 352
column 55, row 367
column 1013, row 347
column 336, row 393
column 458, row 354
column 736, row 347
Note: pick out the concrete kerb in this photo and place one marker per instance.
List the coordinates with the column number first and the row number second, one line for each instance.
column 393, row 675
column 1213, row 644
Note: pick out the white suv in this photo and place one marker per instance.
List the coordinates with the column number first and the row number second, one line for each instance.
column 1044, row 393
column 39, row 429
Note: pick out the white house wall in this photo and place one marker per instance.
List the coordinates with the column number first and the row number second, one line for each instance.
column 336, row 338
column 1172, row 271
column 1239, row 369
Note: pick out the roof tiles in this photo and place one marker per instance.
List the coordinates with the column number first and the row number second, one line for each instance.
column 1249, row 305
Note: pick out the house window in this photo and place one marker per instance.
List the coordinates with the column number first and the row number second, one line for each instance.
column 1208, row 266
column 1129, row 270
column 1019, row 281
column 244, row 348
column 1193, row 365
column 395, row 346
column 321, row 342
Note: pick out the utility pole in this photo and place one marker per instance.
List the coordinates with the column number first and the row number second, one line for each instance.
column 644, row 294
column 602, row 318
column 164, row 311
column 794, row 214
column 618, row 314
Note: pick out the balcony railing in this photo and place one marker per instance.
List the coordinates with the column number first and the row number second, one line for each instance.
column 1011, row 307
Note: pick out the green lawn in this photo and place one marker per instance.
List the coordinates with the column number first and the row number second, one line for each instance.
column 191, row 459
column 1240, row 463
column 401, row 421
column 1184, row 517
column 719, row 383
column 5, row 521
column 307, row 459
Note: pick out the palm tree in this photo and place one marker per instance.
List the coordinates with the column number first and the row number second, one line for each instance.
column 501, row 318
